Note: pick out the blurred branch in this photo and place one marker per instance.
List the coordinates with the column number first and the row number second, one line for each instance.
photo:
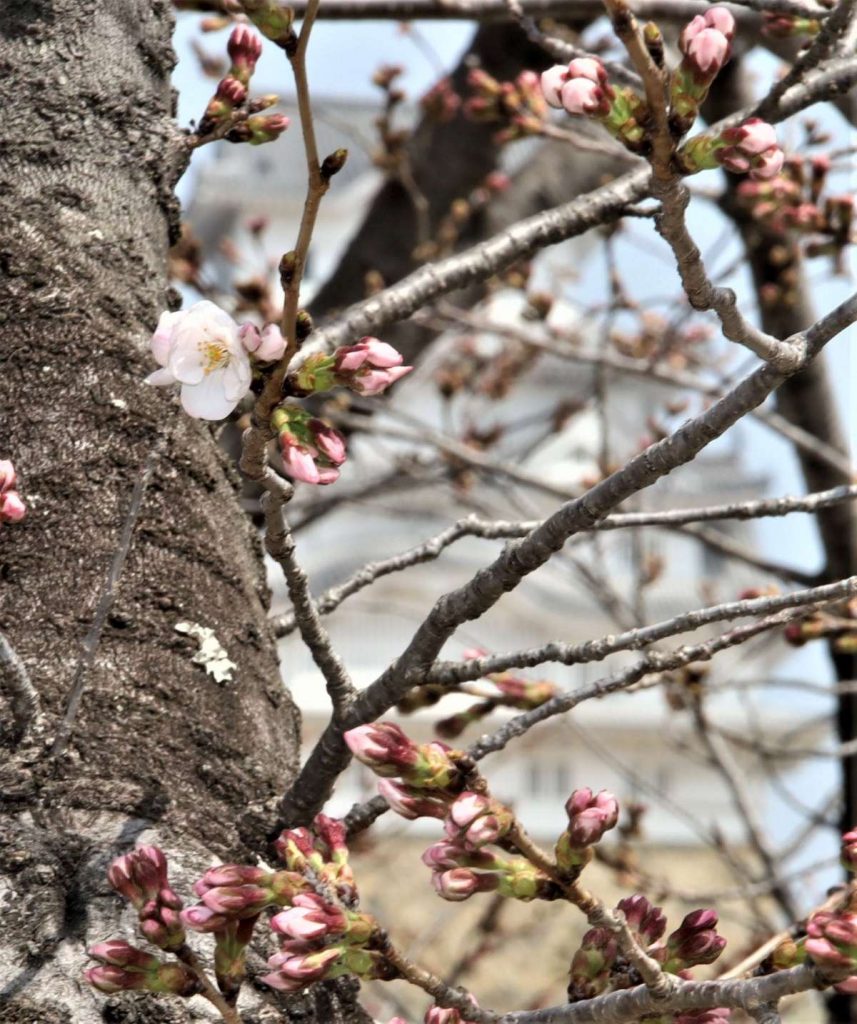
column 486, row 10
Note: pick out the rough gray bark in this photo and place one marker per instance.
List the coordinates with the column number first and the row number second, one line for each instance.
column 157, row 748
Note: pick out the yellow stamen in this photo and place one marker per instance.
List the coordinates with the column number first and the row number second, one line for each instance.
column 215, row 355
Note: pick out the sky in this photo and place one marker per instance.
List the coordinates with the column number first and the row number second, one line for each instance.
column 342, row 58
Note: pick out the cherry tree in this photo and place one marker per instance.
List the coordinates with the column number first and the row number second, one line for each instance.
column 164, row 855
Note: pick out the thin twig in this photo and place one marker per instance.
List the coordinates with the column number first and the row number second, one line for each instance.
column 21, row 695
column 280, row 545
column 209, row 992
column 450, row 673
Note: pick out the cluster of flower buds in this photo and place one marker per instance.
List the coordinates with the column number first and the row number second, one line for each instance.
column 320, row 854
column 12, row 508
column 598, row 965
column 591, row 965
column 368, row 367
column 228, row 110
column 786, row 26
column 792, row 203
column 441, row 103
column 458, row 873
column 239, row 892
column 311, row 449
column 694, row 942
column 646, row 921
column 831, row 942
column 124, row 968
column 838, row 625
column 513, row 692
column 583, row 87
column 244, row 49
column 518, row 106
column 141, row 877
column 205, row 351
column 750, row 148
column 390, row 753
column 706, row 45
column 323, row 936
column 590, row 815
column 474, row 820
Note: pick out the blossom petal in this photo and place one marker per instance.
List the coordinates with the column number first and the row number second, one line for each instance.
column 163, row 336
column 236, row 379
column 161, row 378
column 207, row 400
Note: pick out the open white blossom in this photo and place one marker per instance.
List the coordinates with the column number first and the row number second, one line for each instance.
column 201, row 349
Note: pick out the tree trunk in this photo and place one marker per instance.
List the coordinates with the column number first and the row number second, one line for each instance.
column 130, row 739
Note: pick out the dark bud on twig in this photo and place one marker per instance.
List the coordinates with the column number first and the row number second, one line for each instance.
column 334, row 163
column 654, row 43
column 288, row 265
column 303, row 325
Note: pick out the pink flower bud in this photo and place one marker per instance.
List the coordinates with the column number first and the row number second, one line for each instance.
column 754, row 136
column 695, row 941
column 272, row 344
column 409, row 803
column 141, row 875
column 768, row 165
column 311, row 918
column 302, row 968
column 244, row 48
column 455, row 884
column 369, row 383
column 719, row 1015
column 329, row 441
column 12, row 508
column 708, row 51
column 383, row 747
column 443, row 855
column 120, row 953
column 8, row 477
column 369, row 367
column 582, row 96
column 588, row 67
column 237, row 901
column 203, row 919
column 231, row 91
column 721, row 19
column 589, row 817
column 476, row 820
column 552, row 82
column 250, row 337
column 646, row 921
column 109, row 979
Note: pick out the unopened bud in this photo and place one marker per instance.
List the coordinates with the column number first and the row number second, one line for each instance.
column 303, row 325
column 288, row 265
column 333, row 163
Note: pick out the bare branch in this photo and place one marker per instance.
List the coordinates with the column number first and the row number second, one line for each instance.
column 451, row 673
column 22, row 696
column 518, row 560
column 280, row 545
